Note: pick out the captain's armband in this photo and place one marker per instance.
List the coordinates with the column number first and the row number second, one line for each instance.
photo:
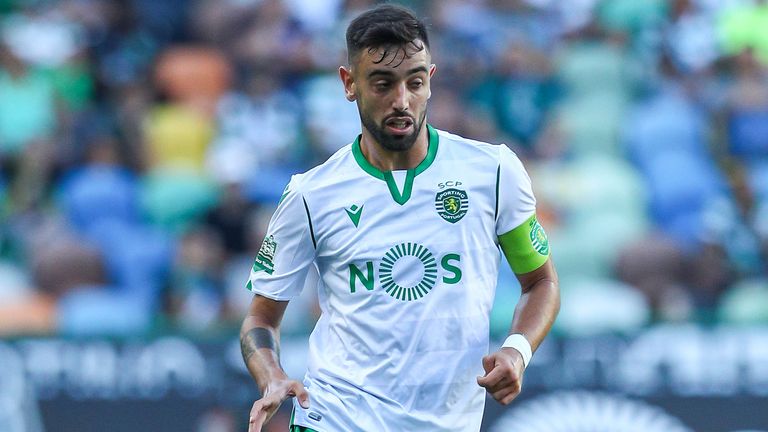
column 525, row 247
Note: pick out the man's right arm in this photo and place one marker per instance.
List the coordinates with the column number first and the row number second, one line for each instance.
column 260, row 346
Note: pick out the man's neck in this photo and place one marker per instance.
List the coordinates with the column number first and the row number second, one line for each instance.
column 386, row 160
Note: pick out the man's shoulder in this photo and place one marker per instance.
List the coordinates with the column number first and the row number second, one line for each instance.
column 329, row 171
column 466, row 147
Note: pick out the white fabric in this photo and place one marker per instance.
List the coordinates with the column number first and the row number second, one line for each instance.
column 377, row 362
column 520, row 344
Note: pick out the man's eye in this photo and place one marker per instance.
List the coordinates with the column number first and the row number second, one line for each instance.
column 381, row 85
column 417, row 84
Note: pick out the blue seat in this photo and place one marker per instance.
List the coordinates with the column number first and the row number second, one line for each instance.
column 663, row 123
column 683, row 188
column 98, row 192
column 757, row 177
column 267, row 184
column 748, row 133
column 138, row 258
column 102, row 311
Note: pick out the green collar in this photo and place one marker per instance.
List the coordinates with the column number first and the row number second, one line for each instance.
column 400, row 198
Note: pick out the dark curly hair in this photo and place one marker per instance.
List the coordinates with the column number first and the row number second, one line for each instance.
column 388, row 30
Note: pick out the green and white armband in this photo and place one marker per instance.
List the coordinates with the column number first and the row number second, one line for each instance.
column 525, row 247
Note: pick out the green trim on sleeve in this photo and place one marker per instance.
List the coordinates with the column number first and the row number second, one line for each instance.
column 525, row 247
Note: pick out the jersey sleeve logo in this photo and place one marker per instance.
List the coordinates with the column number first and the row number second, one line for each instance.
column 451, row 204
column 539, row 237
column 285, row 193
column 266, row 256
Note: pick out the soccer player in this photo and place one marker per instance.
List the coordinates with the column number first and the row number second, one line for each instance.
column 404, row 227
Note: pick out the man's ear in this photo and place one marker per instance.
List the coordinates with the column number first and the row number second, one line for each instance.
column 349, row 83
column 432, row 69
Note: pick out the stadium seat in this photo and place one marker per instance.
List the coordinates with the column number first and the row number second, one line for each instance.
column 630, row 16
column 585, row 69
column 138, row 258
column 591, row 124
column 102, row 311
column 745, row 303
column 757, row 178
column 664, row 123
column 266, row 185
column 175, row 198
column 748, row 133
column 14, row 282
column 601, row 202
column 96, row 193
column 682, row 183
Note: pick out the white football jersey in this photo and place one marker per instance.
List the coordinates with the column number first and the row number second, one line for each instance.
column 408, row 262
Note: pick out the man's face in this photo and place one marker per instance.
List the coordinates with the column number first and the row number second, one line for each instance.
column 391, row 92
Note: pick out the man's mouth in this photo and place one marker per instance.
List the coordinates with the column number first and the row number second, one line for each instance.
column 399, row 125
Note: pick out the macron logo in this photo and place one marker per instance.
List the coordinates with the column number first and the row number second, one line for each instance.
column 354, row 213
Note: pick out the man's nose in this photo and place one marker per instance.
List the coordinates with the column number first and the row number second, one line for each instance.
column 400, row 102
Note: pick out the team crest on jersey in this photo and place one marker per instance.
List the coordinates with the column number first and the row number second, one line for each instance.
column 266, row 256
column 452, row 204
column 539, row 237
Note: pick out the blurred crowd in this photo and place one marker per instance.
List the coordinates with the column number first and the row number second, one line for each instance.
column 145, row 143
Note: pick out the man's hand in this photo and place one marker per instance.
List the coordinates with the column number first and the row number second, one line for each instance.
column 264, row 408
column 503, row 375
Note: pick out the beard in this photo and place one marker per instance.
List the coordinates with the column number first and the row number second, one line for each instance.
column 393, row 143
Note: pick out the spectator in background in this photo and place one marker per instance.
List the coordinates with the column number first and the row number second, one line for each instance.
column 565, row 83
column 196, row 292
column 28, row 120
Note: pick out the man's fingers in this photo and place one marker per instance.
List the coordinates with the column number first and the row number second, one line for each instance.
column 254, row 425
column 491, row 378
column 488, row 363
column 258, row 416
column 503, row 393
column 298, row 390
column 264, row 408
column 509, row 398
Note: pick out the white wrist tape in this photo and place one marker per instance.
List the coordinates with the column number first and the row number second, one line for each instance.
column 521, row 345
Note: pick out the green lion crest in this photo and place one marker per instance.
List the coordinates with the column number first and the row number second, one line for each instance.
column 452, row 204
column 539, row 237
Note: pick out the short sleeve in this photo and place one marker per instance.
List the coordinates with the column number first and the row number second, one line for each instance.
column 287, row 252
column 515, row 200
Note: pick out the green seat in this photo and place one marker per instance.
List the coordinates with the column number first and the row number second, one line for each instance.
column 745, row 27
column 746, row 302
column 631, row 16
column 586, row 68
column 591, row 125
column 173, row 199
column 601, row 207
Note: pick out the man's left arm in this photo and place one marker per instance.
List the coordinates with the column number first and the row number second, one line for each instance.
column 534, row 315
column 527, row 251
